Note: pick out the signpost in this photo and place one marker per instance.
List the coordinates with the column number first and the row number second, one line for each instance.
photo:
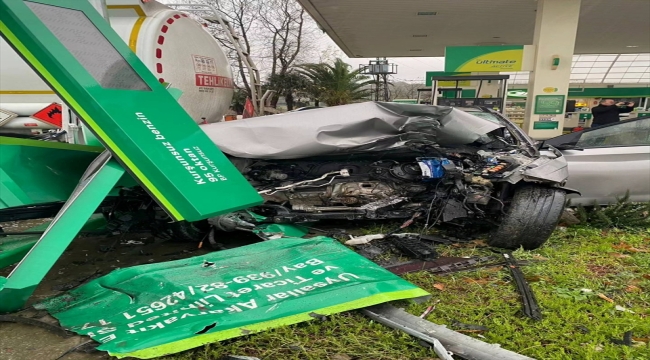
column 146, row 132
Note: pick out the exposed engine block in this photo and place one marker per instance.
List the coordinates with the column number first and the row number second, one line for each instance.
column 370, row 186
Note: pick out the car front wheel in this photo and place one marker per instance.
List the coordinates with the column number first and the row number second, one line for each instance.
column 530, row 219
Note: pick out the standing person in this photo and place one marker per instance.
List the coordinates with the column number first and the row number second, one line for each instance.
column 607, row 112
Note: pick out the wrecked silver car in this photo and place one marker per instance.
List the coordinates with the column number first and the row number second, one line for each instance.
column 376, row 160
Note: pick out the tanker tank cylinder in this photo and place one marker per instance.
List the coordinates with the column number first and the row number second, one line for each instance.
column 176, row 48
column 179, row 51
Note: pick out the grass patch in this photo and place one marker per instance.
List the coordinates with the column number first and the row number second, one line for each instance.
column 567, row 276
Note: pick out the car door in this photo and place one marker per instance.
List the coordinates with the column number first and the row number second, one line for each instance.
column 608, row 161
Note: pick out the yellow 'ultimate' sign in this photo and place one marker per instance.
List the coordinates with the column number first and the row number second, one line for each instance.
column 484, row 58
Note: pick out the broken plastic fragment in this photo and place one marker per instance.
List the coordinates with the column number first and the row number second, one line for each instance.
column 365, row 239
column 318, row 316
column 620, row 308
column 206, row 329
column 627, row 339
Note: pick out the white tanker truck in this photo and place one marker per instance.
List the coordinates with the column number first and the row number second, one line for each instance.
column 175, row 47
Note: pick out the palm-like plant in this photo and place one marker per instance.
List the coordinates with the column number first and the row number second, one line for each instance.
column 335, row 84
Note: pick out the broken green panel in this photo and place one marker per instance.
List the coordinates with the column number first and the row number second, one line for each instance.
column 89, row 137
column 158, row 309
column 13, row 248
column 176, row 93
column 284, row 230
column 34, row 172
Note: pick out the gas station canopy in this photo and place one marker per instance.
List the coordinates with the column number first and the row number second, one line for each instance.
column 406, row 28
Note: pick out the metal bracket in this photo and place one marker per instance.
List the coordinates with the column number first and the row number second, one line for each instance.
column 98, row 180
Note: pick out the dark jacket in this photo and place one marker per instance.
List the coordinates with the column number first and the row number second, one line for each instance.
column 608, row 114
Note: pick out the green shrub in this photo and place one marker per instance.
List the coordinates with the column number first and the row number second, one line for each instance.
column 622, row 214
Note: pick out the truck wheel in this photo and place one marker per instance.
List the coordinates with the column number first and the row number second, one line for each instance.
column 530, row 219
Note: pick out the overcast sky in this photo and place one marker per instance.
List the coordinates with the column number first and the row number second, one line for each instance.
column 409, row 69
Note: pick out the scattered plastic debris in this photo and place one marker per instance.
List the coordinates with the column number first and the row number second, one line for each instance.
column 605, row 297
column 429, row 310
column 362, row 240
column 132, row 242
column 531, row 308
column 621, row 308
column 411, row 246
column 443, row 265
column 627, row 339
column 426, row 312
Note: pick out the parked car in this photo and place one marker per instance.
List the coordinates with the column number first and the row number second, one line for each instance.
column 608, row 161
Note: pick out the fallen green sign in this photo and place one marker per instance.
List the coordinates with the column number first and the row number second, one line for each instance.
column 158, row 309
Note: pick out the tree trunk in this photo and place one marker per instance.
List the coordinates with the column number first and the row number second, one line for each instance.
column 274, row 100
column 289, row 99
column 316, row 102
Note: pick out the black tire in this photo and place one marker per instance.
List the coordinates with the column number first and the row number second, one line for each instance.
column 530, row 219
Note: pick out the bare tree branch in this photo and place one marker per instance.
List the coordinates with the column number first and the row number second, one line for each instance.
column 276, row 34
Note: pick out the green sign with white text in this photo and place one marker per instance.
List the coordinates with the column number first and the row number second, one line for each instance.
column 484, row 58
column 96, row 74
column 158, row 309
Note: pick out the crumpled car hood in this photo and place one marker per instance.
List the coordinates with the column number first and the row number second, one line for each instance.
column 368, row 126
